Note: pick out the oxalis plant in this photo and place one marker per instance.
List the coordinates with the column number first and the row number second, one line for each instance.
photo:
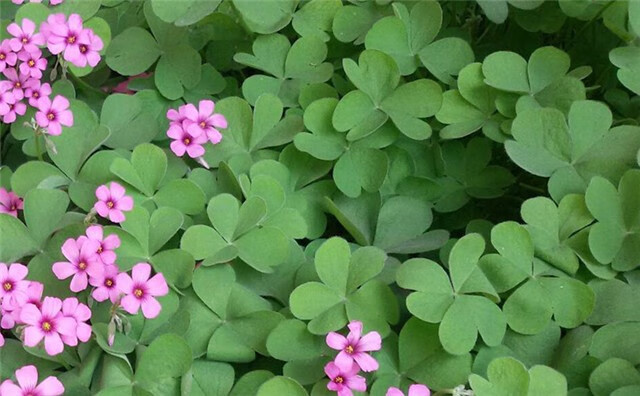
column 324, row 197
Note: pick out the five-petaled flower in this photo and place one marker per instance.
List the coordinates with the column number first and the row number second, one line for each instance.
column 52, row 115
column 10, row 203
column 344, row 378
column 140, row 290
column 83, row 262
column 13, row 286
column 112, row 201
column 27, row 378
column 354, row 346
column 46, row 323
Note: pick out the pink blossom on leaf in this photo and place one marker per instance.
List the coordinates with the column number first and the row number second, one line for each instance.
column 414, row 390
column 63, row 36
column 24, row 36
column 140, row 290
column 204, row 121
column 80, row 313
column 53, row 115
column 106, row 245
column 83, row 262
column 46, row 323
column 89, row 47
column 27, row 378
column 112, row 202
column 13, row 286
column 33, row 64
column 36, row 90
column 354, row 346
column 186, row 143
column 7, row 56
column 106, row 286
column 344, row 378
column 15, row 82
column 10, row 203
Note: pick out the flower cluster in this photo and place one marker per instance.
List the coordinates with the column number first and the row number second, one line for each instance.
column 22, row 64
column 27, row 378
column 10, row 203
column 92, row 260
column 52, row 320
column 191, row 127
column 353, row 357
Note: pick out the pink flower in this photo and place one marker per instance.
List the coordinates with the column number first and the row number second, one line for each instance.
column 414, row 390
column 15, row 82
column 35, row 90
column 80, row 313
column 89, row 47
column 176, row 117
column 65, row 37
column 1, row 344
column 13, row 111
column 344, row 378
column 203, row 121
column 27, row 378
column 112, row 202
column 106, row 286
column 83, row 262
column 355, row 347
column 24, row 38
column 140, row 291
column 13, row 287
column 52, row 115
column 106, row 245
column 8, row 318
column 185, row 142
column 10, row 203
column 34, row 295
column 7, row 56
column 32, row 64
column 54, row 2
column 46, row 323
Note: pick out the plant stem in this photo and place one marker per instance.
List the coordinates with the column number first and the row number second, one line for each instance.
column 38, row 148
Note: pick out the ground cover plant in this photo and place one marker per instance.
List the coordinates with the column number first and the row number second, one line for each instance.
column 324, row 197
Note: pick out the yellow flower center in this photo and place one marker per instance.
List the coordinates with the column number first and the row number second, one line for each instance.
column 46, row 326
column 349, row 349
column 109, row 204
column 18, row 84
column 82, row 265
column 203, row 124
column 25, row 40
column 99, row 249
column 7, row 286
column 3, row 56
column 31, row 63
column 51, row 116
column 83, row 49
column 138, row 293
column 71, row 39
column 187, row 141
column 36, row 94
column 338, row 380
column 108, row 283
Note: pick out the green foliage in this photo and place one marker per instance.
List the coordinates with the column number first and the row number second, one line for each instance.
column 461, row 176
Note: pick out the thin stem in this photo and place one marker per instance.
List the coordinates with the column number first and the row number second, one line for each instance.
column 532, row 188
column 38, row 148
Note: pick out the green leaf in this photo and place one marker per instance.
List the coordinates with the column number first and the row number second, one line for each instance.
column 132, row 52
column 16, row 242
column 613, row 374
column 183, row 12
column 43, row 212
column 181, row 194
column 167, row 357
column 281, row 386
column 266, row 18
column 211, row 378
column 123, row 114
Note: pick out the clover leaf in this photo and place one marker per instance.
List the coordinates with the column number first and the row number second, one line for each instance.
column 456, row 303
column 291, row 66
column 296, row 209
column 315, row 18
column 361, row 165
column 615, row 237
column 265, row 18
column 626, row 59
column 471, row 107
column 572, row 152
column 347, row 290
column 551, row 226
column 236, row 233
column 416, row 355
column 507, row 376
column 615, row 302
column 544, row 292
column 251, row 134
column 379, row 97
column 409, row 35
column 543, row 79
column 183, row 13
column 228, row 321
column 398, row 226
